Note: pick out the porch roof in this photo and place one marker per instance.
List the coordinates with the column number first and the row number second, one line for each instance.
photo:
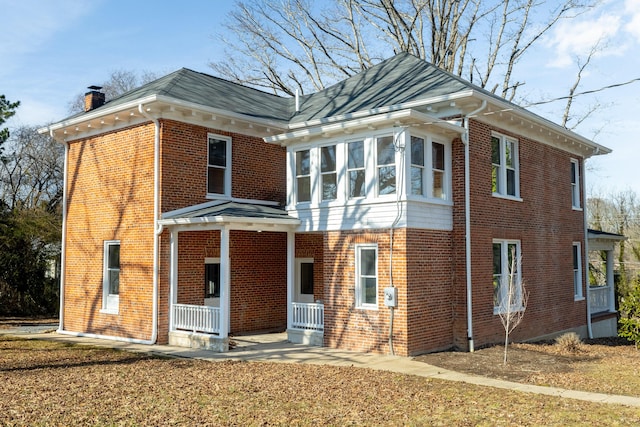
column 236, row 215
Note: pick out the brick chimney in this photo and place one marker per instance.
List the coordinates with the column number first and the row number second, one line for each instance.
column 94, row 98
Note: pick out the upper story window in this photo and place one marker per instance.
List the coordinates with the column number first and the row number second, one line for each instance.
column 219, row 165
column 428, row 182
column 504, row 160
column 575, row 184
column 303, row 176
column 328, row 172
column 356, row 169
column 507, row 280
column 386, row 165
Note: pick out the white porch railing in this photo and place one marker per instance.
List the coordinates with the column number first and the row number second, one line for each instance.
column 599, row 299
column 196, row 318
column 308, row 316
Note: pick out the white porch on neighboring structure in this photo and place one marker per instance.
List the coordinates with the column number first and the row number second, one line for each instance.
column 601, row 292
column 208, row 326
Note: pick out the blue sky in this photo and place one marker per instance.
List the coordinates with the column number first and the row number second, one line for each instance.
column 52, row 50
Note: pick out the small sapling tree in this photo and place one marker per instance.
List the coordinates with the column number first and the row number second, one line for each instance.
column 513, row 299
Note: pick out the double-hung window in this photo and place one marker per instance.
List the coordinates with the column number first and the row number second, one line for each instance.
column 303, row 176
column 356, row 169
column 575, row 184
column 386, row 165
column 328, row 172
column 219, row 165
column 417, row 165
column 111, row 276
column 507, row 280
column 435, row 184
column 504, row 161
column 438, row 187
column 577, row 271
column 367, row 276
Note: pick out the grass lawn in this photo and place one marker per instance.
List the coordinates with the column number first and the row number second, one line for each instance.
column 47, row 383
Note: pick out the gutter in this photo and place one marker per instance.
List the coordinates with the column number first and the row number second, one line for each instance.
column 467, row 223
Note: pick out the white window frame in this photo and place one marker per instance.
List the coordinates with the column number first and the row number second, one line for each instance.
column 577, row 271
column 428, row 170
column 379, row 166
column 356, row 169
column 334, row 172
column 359, row 288
column 502, row 168
column 212, row 301
column 299, row 296
column 297, row 177
column 575, row 184
column 110, row 302
column 504, row 274
column 227, row 167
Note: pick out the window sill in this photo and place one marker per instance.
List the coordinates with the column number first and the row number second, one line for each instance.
column 502, row 196
column 576, row 208
column 498, row 310
column 113, row 311
column 369, row 307
column 577, row 298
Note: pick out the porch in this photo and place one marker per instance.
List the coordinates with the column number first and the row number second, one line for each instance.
column 199, row 326
column 601, row 286
column 251, row 276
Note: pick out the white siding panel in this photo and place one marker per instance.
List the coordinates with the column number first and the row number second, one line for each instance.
column 375, row 215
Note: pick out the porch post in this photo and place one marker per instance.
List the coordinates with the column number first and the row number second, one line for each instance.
column 610, row 282
column 225, row 270
column 173, row 274
column 291, row 254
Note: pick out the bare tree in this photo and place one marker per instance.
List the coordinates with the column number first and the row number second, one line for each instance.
column 31, row 171
column 119, row 82
column 513, row 300
column 299, row 45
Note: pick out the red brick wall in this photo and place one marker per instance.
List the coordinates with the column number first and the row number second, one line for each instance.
column 257, row 168
column 110, row 197
column 357, row 329
column 543, row 221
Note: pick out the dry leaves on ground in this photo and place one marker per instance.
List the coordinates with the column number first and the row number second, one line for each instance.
column 609, row 365
column 47, row 383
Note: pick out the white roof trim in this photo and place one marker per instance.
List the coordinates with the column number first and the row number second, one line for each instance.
column 408, row 115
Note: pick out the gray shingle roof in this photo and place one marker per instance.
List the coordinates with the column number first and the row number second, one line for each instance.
column 398, row 79
column 232, row 209
column 200, row 88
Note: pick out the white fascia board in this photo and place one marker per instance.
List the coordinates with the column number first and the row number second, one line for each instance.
column 386, row 109
column 541, row 121
column 412, row 116
column 146, row 101
column 267, row 223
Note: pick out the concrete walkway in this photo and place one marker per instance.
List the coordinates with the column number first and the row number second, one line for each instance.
column 276, row 348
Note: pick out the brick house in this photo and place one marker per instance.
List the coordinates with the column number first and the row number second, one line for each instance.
column 377, row 215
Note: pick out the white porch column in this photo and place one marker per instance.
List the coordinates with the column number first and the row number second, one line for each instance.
column 610, row 281
column 291, row 258
column 173, row 274
column 225, row 272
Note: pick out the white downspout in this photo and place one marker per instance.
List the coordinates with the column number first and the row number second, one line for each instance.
column 157, row 229
column 63, row 246
column 467, row 223
column 585, row 269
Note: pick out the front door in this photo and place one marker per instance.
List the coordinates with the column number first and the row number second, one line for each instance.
column 304, row 280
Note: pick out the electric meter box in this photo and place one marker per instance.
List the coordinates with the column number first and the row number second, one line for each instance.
column 391, row 297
